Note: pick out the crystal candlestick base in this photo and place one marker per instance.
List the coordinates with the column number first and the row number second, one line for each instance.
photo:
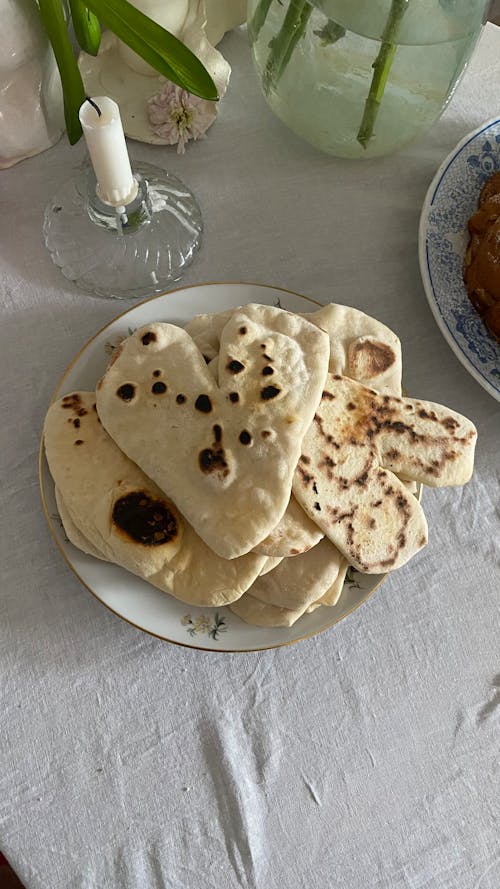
column 123, row 252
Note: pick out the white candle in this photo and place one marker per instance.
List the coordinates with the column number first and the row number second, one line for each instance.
column 105, row 140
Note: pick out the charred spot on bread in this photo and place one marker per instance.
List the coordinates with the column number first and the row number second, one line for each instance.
column 203, row 404
column 370, row 358
column 71, row 401
column 126, row 392
column 269, row 392
column 158, row 388
column 306, row 477
column 145, row 519
column 212, row 461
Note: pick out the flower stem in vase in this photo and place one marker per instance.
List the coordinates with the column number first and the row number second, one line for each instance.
column 381, row 70
column 330, row 33
column 283, row 45
column 258, row 18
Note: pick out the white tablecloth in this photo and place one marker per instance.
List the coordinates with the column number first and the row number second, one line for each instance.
column 365, row 757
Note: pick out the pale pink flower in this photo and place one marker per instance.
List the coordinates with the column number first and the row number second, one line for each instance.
column 177, row 116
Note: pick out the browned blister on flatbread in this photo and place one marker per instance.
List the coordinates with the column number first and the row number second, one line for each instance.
column 111, row 509
column 224, row 451
column 345, row 477
column 361, row 347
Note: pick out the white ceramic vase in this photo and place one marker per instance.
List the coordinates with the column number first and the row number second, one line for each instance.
column 31, row 103
column 199, row 24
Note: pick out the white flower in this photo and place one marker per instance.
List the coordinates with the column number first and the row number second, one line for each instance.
column 177, row 116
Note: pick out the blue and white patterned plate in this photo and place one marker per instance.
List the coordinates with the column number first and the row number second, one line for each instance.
column 450, row 201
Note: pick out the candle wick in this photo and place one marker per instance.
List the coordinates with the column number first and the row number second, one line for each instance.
column 94, row 105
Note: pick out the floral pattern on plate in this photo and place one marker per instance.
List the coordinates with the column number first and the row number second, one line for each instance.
column 212, row 626
column 451, row 199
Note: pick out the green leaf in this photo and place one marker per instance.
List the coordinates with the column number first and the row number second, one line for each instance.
column 155, row 45
column 52, row 15
column 86, row 26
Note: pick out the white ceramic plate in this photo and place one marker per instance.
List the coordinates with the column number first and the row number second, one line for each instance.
column 147, row 608
column 451, row 199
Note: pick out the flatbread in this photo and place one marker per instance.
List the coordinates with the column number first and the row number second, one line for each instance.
column 224, row 454
column 270, row 564
column 125, row 516
column 73, row 533
column 361, row 347
column 345, row 477
column 294, row 534
column 262, row 614
column 252, row 611
column 206, row 330
column 333, row 593
column 297, row 583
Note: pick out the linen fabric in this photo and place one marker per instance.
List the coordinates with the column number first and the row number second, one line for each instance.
column 364, row 757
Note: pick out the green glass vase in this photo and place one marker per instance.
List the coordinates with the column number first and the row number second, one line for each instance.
column 362, row 78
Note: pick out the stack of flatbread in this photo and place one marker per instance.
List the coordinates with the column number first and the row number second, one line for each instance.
column 252, row 457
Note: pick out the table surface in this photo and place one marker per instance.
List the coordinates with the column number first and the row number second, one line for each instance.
column 365, row 757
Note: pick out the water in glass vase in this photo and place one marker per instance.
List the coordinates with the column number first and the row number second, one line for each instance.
column 358, row 79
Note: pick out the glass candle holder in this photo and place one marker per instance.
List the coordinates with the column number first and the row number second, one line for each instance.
column 127, row 251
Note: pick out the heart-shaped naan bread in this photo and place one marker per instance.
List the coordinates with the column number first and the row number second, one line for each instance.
column 345, row 477
column 360, row 347
column 106, row 501
column 225, row 454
